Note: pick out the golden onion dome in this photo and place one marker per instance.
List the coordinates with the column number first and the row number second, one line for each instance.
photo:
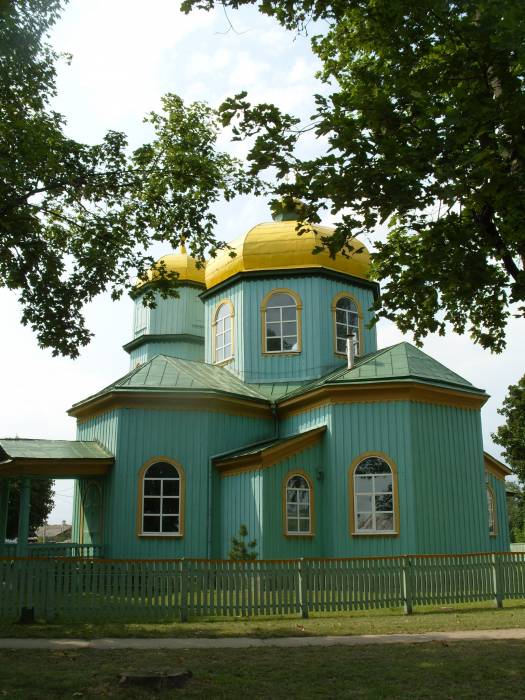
column 277, row 246
column 180, row 262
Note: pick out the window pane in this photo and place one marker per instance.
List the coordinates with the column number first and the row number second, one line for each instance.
column 290, row 328
column 304, row 496
column 364, row 521
column 364, row 503
column 151, row 523
column 290, row 343
column 170, row 523
column 345, row 303
column 304, row 510
column 219, row 355
column 384, row 503
column 273, row 330
column 223, row 312
column 298, row 482
column 383, row 483
column 227, row 338
column 292, row 525
column 289, row 314
column 291, row 510
column 273, row 315
column 363, row 484
column 171, row 487
column 291, row 496
column 342, row 331
column 151, row 487
column 385, row 522
column 273, row 344
column 304, row 525
column 352, row 320
column 341, row 345
column 161, row 469
column 373, row 465
column 152, row 505
column 170, row 506
column 340, row 316
column 281, row 299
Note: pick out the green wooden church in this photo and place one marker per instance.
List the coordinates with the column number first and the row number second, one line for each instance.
column 259, row 397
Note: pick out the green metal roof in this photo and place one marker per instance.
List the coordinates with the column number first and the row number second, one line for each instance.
column 402, row 362
column 164, row 373
column 267, row 444
column 19, row 448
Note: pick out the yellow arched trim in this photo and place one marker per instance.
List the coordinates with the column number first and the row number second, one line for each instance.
column 357, row 461
column 361, row 343
column 82, row 494
column 182, row 497
column 229, row 303
column 299, row 306
column 308, row 479
column 494, row 512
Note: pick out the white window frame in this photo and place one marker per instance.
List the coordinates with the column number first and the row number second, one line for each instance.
column 280, row 336
column 347, row 325
column 373, row 493
column 295, row 503
column 162, row 498
column 222, row 325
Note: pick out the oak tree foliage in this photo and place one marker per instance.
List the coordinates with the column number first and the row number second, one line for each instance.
column 423, row 114
column 41, row 505
column 78, row 219
column 511, row 435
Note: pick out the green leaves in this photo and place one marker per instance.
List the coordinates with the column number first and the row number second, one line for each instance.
column 511, row 435
column 424, row 122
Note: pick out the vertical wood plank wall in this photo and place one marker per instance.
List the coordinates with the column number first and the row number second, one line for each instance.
column 317, row 356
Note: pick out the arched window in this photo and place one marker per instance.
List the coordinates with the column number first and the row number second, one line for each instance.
column 346, row 321
column 281, row 322
column 161, row 512
column 223, row 338
column 374, row 497
column 298, row 505
column 491, row 504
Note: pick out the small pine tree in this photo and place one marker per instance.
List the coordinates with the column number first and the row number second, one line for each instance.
column 242, row 550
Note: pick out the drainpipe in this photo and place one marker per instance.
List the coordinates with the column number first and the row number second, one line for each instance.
column 4, row 504
column 225, row 454
column 350, row 350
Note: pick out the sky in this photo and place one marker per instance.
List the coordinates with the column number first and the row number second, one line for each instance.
column 126, row 55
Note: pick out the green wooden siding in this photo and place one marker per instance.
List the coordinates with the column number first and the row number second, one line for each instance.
column 317, row 356
column 181, row 316
column 501, row 542
column 187, row 437
column 174, row 348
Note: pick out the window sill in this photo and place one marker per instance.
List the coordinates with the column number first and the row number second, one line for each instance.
column 224, row 362
column 160, row 536
column 375, row 534
column 281, row 352
column 295, row 535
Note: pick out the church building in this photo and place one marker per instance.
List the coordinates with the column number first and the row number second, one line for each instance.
column 259, row 397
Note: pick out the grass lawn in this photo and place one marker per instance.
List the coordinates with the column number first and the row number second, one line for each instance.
column 437, row 670
column 428, row 619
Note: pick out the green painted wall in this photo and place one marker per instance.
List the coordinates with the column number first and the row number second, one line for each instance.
column 181, row 316
column 174, row 348
column 187, row 437
column 317, row 356
column 501, row 542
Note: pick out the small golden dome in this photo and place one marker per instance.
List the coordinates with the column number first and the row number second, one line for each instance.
column 182, row 263
column 277, row 246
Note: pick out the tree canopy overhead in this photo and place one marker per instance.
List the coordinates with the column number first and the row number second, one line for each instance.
column 78, row 219
column 424, row 118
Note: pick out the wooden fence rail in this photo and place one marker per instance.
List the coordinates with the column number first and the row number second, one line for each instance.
column 91, row 589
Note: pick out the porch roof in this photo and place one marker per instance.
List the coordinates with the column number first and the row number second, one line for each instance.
column 53, row 458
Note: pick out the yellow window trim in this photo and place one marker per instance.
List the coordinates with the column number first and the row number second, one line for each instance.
column 182, row 492
column 81, row 494
column 495, row 512
column 336, row 299
column 229, row 303
column 351, row 471
column 299, row 307
column 308, row 479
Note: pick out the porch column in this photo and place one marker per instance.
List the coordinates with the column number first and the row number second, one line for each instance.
column 23, row 517
column 4, row 503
